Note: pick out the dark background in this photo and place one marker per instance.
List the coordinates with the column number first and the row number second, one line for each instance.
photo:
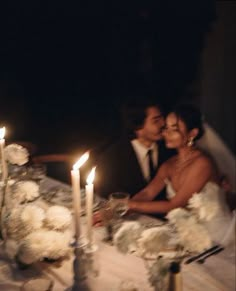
column 67, row 66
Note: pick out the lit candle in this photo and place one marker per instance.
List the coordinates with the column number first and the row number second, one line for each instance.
column 89, row 205
column 75, row 178
column 2, row 145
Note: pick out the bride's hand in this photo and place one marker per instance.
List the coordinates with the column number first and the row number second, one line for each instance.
column 131, row 205
column 97, row 219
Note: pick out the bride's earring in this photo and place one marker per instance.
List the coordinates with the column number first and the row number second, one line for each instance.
column 190, row 142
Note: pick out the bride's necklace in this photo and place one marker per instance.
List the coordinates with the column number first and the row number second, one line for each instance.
column 184, row 161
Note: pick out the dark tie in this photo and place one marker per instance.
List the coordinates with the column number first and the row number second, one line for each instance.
column 152, row 171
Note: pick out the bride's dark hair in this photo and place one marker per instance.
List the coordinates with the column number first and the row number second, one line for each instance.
column 191, row 116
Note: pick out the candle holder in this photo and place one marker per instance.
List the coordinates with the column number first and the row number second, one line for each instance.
column 80, row 266
column 92, row 260
column 80, row 259
column 3, row 193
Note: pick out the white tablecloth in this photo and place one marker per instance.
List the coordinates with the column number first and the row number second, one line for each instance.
column 217, row 273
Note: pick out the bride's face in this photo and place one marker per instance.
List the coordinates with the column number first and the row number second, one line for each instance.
column 175, row 133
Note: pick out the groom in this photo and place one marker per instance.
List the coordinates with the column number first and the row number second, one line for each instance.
column 129, row 164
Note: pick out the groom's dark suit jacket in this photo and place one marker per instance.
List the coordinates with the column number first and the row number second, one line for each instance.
column 118, row 169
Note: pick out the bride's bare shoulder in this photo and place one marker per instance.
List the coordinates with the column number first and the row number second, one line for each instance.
column 203, row 159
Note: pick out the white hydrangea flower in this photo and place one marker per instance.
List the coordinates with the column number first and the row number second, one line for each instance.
column 189, row 232
column 154, row 240
column 126, row 237
column 43, row 244
column 58, row 218
column 11, row 248
column 22, row 220
column 178, row 214
column 24, row 191
column 16, row 154
column 32, row 217
column 194, row 237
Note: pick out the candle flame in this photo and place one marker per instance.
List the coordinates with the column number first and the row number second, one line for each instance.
column 91, row 176
column 81, row 161
column 2, row 132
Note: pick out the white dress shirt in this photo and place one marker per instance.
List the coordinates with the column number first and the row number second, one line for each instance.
column 142, row 156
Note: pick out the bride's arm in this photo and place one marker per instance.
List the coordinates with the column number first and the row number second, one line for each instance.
column 197, row 176
column 154, row 187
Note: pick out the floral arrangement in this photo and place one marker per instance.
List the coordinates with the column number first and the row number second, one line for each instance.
column 183, row 234
column 25, row 191
column 43, row 244
column 37, row 232
column 22, row 220
column 58, row 218
column 15, row 154
column 191, row 234
column 127, row 236
column 183, row 231
column 148, row 244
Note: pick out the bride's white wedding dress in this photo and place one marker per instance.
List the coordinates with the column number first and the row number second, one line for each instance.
column 212, row 210
column 225, row 160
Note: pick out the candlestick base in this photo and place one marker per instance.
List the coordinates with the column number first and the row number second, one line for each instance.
column 79, row 265
column 3, row 193
column 92, row 260
column 82, row 286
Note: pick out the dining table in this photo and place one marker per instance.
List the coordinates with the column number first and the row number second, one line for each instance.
column 115, row 269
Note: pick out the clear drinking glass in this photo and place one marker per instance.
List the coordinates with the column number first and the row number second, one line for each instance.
column 106, row 214
column 92, row 261
column 119, row 203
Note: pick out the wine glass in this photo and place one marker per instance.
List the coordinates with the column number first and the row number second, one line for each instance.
column 119, row 203
column 107, row 219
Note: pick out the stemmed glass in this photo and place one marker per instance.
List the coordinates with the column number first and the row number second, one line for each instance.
column 111, row 212
column 119, row 204
column 107, row 216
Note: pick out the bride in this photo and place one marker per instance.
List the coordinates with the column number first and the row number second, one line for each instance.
column 189, row 172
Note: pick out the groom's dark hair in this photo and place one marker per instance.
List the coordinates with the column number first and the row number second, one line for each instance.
column 134, row 113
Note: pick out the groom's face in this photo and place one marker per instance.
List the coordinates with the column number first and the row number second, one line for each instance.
column 153, row 124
